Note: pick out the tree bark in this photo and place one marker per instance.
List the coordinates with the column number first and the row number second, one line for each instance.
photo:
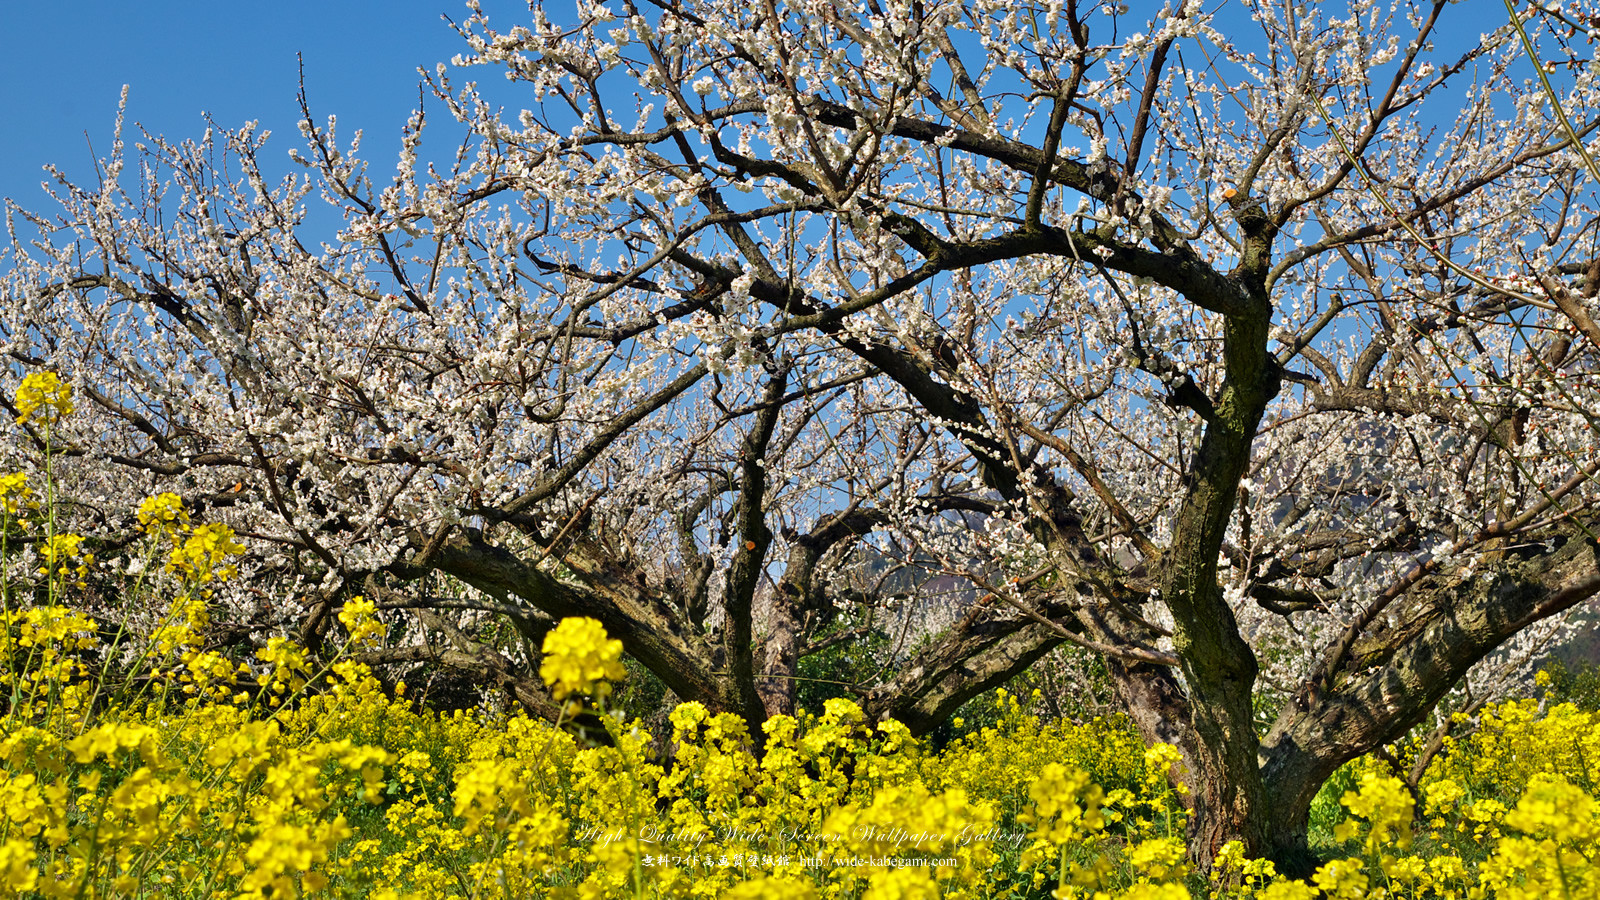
column 1385, row 686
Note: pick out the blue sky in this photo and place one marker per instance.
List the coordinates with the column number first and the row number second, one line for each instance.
column 64, row 63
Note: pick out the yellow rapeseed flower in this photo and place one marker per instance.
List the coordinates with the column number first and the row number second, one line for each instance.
column 15, row 495
column 204, row 555
column 63, row 555
column 360, row 618
column 16, row 866
column 580, row 659
column 164, row 514
column 43, row 393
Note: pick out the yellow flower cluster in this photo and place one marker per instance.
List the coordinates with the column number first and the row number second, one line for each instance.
column 164, row 514
column 198, row 554
column 204, row 554
column 348, row 792
column 43, row 653
column 359, row 616
column 62, row 556
column 580, row 659
column 1386, row 806
column 315, row 782
column 43, row 395
column 16, row 498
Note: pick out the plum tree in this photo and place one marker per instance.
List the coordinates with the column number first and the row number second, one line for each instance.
column 1254, row 351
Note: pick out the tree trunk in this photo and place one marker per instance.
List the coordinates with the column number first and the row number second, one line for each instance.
column 779, row 649
column 1228, row 799
column 1292, row 778
column 1218, row 664
column 1220, row 752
